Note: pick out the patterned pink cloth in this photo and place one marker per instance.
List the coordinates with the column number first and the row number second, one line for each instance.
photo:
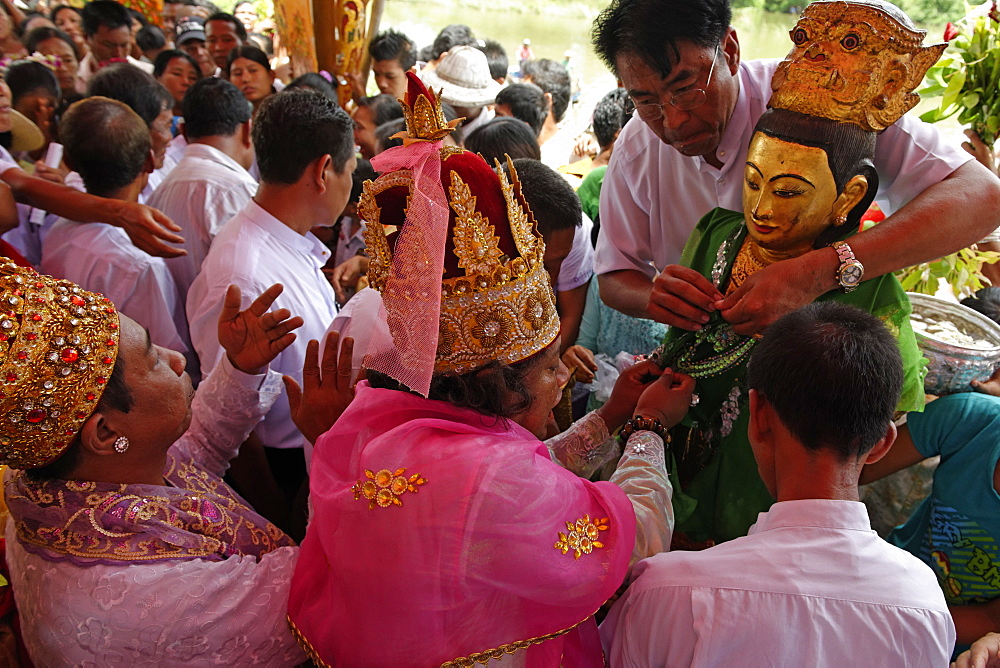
column 456, row 543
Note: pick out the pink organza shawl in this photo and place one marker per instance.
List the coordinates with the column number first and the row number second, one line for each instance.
column 466, row 563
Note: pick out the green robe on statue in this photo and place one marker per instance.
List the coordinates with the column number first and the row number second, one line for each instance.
column 717, row 489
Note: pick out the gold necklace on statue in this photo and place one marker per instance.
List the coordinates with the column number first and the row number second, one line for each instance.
column 745, row 265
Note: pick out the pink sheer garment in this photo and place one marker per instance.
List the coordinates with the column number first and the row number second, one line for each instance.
column 464, row 559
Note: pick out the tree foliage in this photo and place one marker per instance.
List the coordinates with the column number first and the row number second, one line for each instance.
column 931, row 12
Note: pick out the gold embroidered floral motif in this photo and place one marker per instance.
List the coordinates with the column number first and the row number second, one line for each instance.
column 384, row 488
column 582, row 536
column 492, row 328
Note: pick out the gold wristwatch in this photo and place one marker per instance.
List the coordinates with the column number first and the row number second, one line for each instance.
column 850, row 272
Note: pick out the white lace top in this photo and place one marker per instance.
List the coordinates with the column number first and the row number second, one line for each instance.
column 181, row 613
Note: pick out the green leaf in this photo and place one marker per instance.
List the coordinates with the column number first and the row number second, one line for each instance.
column 970, row 100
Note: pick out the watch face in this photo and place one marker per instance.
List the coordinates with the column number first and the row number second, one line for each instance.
column 850, row 274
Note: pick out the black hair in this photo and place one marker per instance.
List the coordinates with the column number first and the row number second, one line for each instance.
column 163, row 59
column 425, row 53
column 262, row 42
column 316, row 82
column 150, row 38
column 453, row 35
column 986, row 301
column 610, row 117
column 504, row 136
column 26, row 76
column 138, row 16
column 384, row 134
column 495, row 389
column 44, row 34
column 241, row 30
column 250, row 53
column 58, row 8
column 104, row 143
column 527, row 103
column 552, row 78
column 139, row 90
column 393, row 45
column 832, row 373
column 117, row 396
column 294, row 128
column 384, row 107
column 363, row 171
column 651, row 29
column 214, row 107
column 496, row 56
column 22, row 28
column 550, row 196
column 105, row 13
column 849, row 152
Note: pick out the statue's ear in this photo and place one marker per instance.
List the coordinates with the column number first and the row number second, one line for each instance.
column 854, row 191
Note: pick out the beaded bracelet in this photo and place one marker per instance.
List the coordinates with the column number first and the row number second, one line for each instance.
column 641, row 423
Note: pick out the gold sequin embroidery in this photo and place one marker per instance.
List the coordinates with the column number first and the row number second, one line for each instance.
column 384, row 488
column 582, row 536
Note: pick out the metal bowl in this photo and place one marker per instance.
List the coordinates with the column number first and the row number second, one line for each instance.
column 951, row 368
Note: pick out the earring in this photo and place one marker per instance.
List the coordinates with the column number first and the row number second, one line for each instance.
column 840, row 220
column 121, row 444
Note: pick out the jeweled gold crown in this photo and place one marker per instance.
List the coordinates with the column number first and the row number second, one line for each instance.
column 496, row 296
column 59, row 345
column 856, row 61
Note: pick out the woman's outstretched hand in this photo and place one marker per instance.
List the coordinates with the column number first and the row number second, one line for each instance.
column 326, row 389
column 254, row 337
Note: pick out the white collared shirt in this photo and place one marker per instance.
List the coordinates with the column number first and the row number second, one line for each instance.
column 653, row 196
column 101, row 258
column 811, row 585
column 255, row 250
column 89, row 67
column 204, row 190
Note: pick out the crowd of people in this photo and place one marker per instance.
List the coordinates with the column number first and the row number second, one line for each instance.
column 428, row 378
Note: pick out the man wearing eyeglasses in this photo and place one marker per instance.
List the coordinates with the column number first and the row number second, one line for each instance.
column 697, row 103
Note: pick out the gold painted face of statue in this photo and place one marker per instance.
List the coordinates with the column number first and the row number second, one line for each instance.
column 789, row 195
column 853, row 61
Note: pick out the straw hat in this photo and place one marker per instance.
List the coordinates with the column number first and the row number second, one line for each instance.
column 463, row 76
column 25, row 135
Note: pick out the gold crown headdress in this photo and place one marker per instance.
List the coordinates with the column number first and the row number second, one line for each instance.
column 853, row 60
column 496, row 299
column 59, row 345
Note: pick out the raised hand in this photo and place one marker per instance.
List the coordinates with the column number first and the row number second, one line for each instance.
column 254, row 337
column 326, row 390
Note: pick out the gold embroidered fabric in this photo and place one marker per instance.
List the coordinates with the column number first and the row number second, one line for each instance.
column 306, row 645
column 58, row 344
column 508, row 649
column 582, row 536
column 198, row 517
column 502, row 308
column 384, row 488
column 745, row 265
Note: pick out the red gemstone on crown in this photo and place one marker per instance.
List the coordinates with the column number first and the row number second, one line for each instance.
column 77, row 300
column 35, row 416
column 69, row 355
column 90, row 396
column 107, row 360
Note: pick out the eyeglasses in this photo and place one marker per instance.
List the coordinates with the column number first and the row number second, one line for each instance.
column 686, row 101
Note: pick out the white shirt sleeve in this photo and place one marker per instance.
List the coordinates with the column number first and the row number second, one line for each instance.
column 624, row 241
column 226, row 408
column 578, row 266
